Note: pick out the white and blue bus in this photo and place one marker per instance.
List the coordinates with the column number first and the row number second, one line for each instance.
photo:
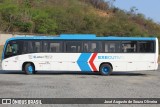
column 80, row 52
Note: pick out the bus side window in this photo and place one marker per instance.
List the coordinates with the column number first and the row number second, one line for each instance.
column 129, row 46
column 73, row 46
column 93, row 47
column 86, row 47
column 111, row 47
column 106, row 45
column 8, row 50
column 37, row 47
column 25, row 47
column 15, row 48
column 34, row 46
column 146, row 46
column 30, row 47
column 45, row 46
column 55, row 47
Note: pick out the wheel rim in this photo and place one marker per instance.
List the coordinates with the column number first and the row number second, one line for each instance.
column 30, row 69
column 105, row 70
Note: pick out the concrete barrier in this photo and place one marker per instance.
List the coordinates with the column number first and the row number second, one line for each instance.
column 4, row 37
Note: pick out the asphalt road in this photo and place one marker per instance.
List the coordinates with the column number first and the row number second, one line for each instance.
column 142, row 84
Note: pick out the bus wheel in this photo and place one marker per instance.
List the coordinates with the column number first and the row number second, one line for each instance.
column 29, row 69
column 35, row 72
column 105, row 69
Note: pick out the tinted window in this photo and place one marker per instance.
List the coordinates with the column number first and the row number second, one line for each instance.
column 129, row 46
column 13, row 48
column 34, row 46
column 91, row 46
column 73, row 46
column 86, row 47
column 46, row 46
column 146, row 46
column 111, row 46
column 55, row 47
column 25, row 47
column 95, row 47
column 37, row 46
column 52, row 46
column 30, row 46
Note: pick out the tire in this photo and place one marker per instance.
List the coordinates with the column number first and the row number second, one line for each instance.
column 35, row 72
column 29, row 69
column 105, row 69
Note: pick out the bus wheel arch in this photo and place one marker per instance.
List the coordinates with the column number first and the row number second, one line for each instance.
column 105, row 68
column 30, row 66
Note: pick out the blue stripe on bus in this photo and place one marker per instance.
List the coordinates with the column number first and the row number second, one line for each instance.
column 80, row 37
column 83, row 61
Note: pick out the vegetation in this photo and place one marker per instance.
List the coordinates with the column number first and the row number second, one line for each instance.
column 73, row 16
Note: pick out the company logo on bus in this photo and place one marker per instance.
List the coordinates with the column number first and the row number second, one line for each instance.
column 109, row 57
column 36, row 57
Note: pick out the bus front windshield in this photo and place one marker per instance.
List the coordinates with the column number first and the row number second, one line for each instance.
column 12, row 49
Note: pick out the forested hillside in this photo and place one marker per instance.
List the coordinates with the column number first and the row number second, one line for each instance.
column 51, row 17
